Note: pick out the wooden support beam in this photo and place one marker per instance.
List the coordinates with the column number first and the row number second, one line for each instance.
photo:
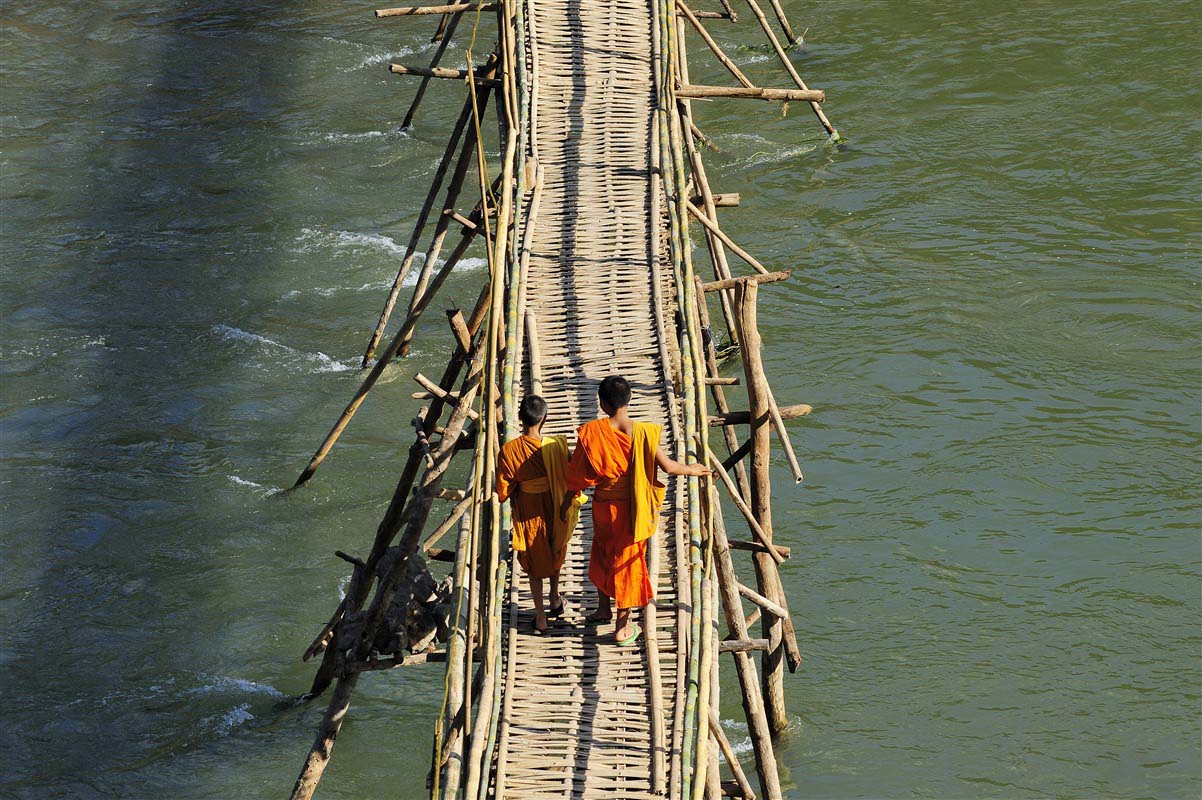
column 713, row 228
column 742, row 645
column 756, row 547
column 438, row 554
column 458, row 511
column 732, row 283
column 701, row 92
column 716, row 465
column 732, row 759
column 721, row 381
column 450, row 398
column 744, row 417
column 710, row 15
column 776, row 609
column 423, row 440
column 783, row 20
column 418, row 11
column 463, row 336
column 724, row 200
column 441, row 72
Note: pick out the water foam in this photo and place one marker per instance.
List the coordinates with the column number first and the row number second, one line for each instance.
column 320, row 361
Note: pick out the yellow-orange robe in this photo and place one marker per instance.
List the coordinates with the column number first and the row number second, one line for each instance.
column 625, row 506
column 540, row 538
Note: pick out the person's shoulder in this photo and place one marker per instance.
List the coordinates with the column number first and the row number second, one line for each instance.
column 591, row 430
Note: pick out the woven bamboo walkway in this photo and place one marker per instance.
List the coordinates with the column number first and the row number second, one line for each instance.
column 591, row 274
column 575, row 721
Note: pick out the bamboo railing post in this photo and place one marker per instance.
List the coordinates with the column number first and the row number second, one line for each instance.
column 767, row 577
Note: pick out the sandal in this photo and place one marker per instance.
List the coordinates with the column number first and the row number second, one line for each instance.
column 556, row 613
column 598, row 620
column 632, row 638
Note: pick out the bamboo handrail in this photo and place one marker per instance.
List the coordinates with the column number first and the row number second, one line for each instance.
column 702, row 92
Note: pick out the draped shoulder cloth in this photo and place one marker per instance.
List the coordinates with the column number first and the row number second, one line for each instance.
column 554, row 451
column 647, row 491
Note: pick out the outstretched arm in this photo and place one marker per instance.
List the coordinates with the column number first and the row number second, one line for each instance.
column 673, row 467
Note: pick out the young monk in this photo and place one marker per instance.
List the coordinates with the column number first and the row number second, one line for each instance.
column 619, row 457
column 531, row 470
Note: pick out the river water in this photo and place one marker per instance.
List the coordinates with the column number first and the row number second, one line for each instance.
column 995, row 313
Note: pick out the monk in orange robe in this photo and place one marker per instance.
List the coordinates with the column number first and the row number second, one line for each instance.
column 619, row 457
column 531, row 474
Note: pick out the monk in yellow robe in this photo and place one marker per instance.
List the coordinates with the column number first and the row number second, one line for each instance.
column 619, row 457
column 531, row 474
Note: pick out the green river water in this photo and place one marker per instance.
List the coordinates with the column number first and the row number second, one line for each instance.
column 995, row 313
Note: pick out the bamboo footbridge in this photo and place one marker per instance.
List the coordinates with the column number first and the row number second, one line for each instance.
column 586, row 224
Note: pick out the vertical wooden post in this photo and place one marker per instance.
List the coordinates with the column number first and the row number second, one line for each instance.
column 767, row 578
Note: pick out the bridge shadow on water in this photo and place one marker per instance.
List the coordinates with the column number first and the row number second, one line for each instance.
column 156, row 187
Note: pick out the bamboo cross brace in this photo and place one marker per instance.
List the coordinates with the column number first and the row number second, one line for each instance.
column 788, row 65
column 453, row 8
column 714, row 229
column 703, row 92
column 716, row 465
column 443, row 72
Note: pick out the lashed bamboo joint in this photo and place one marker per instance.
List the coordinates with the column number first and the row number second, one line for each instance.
column 586, row 229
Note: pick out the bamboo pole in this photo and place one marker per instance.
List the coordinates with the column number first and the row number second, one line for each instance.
column 713, row 46
column 732, row 759
column 753, row 701
column 443, row 72
column 713, row 228
column 744, row 417
column 415, row 11
column 702, row 92
column 788, row 65
column 446, row 30
column 534, row 352
column 374, row 375
column 457, row 648
column 784, row 21
column 655, row 689
column 748, row 515
column 732, row 283
column 767, row 577
column 418, row 226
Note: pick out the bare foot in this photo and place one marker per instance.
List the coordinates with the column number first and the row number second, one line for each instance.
column 540, row 623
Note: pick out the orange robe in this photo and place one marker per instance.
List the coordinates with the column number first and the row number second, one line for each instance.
column 534, row 512
column 625, row 506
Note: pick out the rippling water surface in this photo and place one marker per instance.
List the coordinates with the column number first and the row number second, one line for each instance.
column 995, row 570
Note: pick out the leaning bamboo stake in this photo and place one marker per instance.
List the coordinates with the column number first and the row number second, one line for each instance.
column 788, row 65
column 784, row 21
column 418, row 226
column 759, row 532
column 767, row 577
column 732, row 759
column 444, row 34
column 753, row 700
column 734, row 248
column 713, row 46
column 385, row 358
